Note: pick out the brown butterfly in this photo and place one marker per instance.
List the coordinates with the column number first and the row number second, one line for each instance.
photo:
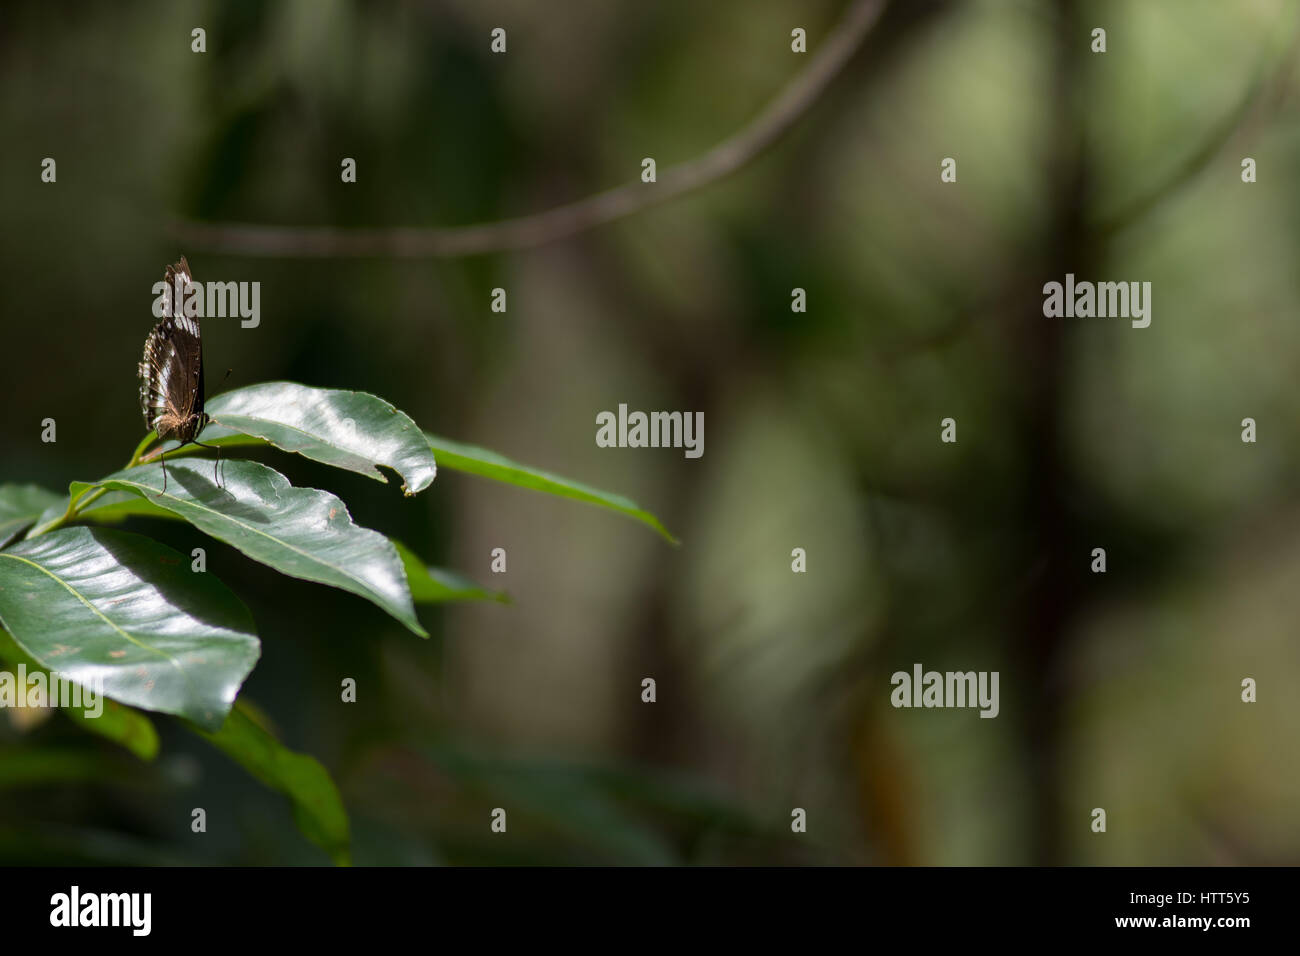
column 171, row 371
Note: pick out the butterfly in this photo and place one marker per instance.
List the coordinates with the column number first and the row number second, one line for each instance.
column 171, row 371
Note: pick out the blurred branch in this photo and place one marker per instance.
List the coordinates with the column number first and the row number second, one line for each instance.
column 1265, row 94
column 432, row 242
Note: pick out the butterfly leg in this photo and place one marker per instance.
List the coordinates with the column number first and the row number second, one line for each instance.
column 163, row 459
column 216, row 475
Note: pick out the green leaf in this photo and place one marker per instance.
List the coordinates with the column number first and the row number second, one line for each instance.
column 301, row 532
column 112, row 508
column 351, row 430
column 317, row 806
column 435, row 586
column 119, row 723
column 488, row 464
column 96, row 604
column 43, row 766
column 21, row 505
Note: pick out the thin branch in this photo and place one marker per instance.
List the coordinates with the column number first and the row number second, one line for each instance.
column 1263, row 96
column 433, row 242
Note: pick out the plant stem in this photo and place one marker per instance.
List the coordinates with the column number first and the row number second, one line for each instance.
column 87, row 497
column 139, row 449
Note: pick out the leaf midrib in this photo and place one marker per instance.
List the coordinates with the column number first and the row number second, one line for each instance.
column 194, row 502
column 100, row 614
column 375, row 472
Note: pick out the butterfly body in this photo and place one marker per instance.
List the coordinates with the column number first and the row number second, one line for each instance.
column 171, row 370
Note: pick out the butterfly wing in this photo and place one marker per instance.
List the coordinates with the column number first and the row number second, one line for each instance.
column 171, row 371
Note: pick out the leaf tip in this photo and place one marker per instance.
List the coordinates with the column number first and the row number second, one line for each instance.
column 664, row 532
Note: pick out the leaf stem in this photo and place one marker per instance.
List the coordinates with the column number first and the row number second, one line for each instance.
column 139, row 449
column 87, row 497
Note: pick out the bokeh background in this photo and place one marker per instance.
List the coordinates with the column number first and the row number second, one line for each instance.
column 1119, row 691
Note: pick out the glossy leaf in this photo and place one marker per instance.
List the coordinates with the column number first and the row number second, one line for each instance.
column 301, row 532
column 351, row 430
column 317, row 806
column 22, row 505
column 436, row 586
column 117, row 722
column 100, row 604
column 488, row 464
